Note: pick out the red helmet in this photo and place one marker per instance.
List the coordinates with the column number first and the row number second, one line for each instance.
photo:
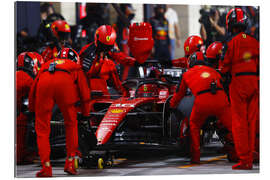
column 147, row 90
column 31, row 61
column 61, row 29
column 192, row 44
column 236, row 17
column 69, row 53
column 194, row 58
column 214, row 50
column 105, row 37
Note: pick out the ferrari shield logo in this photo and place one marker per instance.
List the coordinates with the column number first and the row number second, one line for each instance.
column 55, row 54
column 187, row 48
column 205, row 75
column 247, row 56
column 116, row 111
column 244, row 36
column 145, row 88
column 108, row 38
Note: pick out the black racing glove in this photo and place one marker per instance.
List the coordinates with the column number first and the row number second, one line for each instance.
column 87, row 63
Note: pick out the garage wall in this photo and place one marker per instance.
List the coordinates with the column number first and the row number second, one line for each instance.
column 27, row 15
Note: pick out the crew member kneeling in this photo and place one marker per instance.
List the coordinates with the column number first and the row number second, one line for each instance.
column 61, row 81
column 210, row 99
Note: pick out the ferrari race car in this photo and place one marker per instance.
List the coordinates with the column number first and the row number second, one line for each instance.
column 138, row 121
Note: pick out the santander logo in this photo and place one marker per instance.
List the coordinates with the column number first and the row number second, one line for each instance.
column 140, row 39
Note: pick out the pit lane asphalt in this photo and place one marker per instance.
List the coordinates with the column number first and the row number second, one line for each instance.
column 147, row 163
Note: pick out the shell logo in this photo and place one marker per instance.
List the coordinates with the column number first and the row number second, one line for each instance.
column 247, row 56
column 187, row 48
column 205, row 75
column 220, row 52
column 97, row 64
column 108, row 38
column 116, row 111
column 244, row 36
column 67, row 27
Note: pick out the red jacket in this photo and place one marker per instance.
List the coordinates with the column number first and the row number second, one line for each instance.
column 23, row 86
column 197, row 78
column 78, row 77
column 241, row 55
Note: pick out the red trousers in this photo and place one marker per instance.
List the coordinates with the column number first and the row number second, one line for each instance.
column 56, row 88
column 244, row 95
column 21, row 137
column 206, row 105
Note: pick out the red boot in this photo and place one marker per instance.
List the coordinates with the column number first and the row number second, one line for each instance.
column 70, row 166
column 242, row 166
column 46, row 171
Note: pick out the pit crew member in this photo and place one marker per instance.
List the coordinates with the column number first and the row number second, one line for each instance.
column 28, row 65
column 210, row 99
column 60, row 81
column 96, row 60
column 241, row 59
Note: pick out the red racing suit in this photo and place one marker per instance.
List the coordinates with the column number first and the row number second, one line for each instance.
column 198, row 79
column 241, row 60
column 103, row 69
column 49, row 53
column 24, row 82
column 64, row 86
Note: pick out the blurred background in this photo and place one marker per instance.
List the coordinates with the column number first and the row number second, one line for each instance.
column 84, row 18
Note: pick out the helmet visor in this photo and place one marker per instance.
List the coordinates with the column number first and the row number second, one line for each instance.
column 64, row 36
column 103, row 47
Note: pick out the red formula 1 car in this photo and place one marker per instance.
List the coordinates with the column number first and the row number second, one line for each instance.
column 137, row 121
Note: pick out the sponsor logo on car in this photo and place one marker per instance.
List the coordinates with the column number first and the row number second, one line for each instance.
column 116, row 111
column 122, row 105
